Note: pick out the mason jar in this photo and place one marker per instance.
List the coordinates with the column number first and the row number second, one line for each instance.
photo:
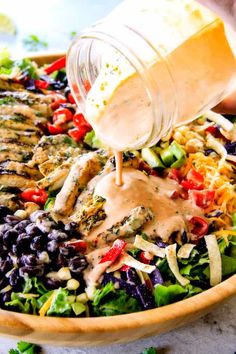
column 150, row 65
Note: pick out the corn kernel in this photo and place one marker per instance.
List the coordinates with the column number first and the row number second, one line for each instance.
column 72, row 284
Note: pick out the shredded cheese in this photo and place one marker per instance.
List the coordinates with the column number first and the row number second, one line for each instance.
column 46, row 306
column 215, row 259
column 173, row 264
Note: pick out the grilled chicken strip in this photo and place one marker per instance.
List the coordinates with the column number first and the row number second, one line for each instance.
column 12, row 179
column 21, row 169
column 15, row 155
column 126, row 227
column 57, row 177
column 8, row 85
column 54, row 146
column 9, row 200
column 38, row 102
column 21, row 136
column 18, row 122
column 82, row 171
column 23, row 110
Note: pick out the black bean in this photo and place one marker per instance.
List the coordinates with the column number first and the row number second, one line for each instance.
column 52, row 246
column 70, row 229
column 10, row 237
column 32, row 271
column 6, row 297
column 23, row 240
column 61, row 261
column 14, row 278
column 12, row 219
column 57, row 235
column 5, row 227
column 78, row 264
column 3, row 250
column 38, row 243
column 52, row 283
column 5, row 266
column 32, row 230
column 28, row 259
column 22, row 225
column 4, row 211
column 67, row 250
column 3, row 282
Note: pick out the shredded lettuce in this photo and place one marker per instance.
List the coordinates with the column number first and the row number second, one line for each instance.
column 165, row 295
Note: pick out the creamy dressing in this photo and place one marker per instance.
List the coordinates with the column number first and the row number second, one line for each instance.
column 148, row 191
column 190, row 41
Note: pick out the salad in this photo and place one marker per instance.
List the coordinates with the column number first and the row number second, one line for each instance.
column 71, row 244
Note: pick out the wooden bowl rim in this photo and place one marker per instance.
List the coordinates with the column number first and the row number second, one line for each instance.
column 196, row 304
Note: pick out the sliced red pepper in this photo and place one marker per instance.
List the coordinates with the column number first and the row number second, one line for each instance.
column 203, row 198
column 56, row 104
column 36, row 195
column 194, row 180
column 200, row 226
column 61, row 116
column 79, row 245
column 40, row 84
column 55, row 129
column 80, row 121
column 78, row 133
column 70, row 98
column 56, row 65
column 114, row 252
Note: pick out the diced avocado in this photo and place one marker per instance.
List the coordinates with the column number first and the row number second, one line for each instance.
column 167, row 156
column 151, row 158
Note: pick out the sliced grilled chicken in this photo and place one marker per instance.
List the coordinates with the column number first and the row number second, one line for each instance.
column 57, row 177
column 9, row 200
column 82, row 171
column 9, row 85
column 15, row 155
column 21, row 136
column 23, row 110
column 126, row 227
column 56, row 146
column 15, row 145
column 21, row 168
column 18, row 122
column 12, row 179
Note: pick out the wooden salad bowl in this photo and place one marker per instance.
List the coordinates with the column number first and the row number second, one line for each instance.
column 115, row 329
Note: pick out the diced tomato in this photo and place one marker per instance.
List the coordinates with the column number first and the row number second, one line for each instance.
column 194, row 180
column 78, row 133
column 124, row 268
column 203, row 198
column 114, row 252
column 213, row 130
column 36, row 195
column 175, row 175
column 79, row 245
column 56, row 104
column 55, row 129
column 70, row 98
column 80, row 121
column 61, row 116
column 154, row 173
column 145, row 257
column 56, row 65
column 40, row 84
column 200, row 226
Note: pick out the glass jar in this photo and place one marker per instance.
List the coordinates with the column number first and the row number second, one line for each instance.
column 147, row 66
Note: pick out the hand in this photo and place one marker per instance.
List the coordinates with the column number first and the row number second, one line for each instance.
column 227, row 106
